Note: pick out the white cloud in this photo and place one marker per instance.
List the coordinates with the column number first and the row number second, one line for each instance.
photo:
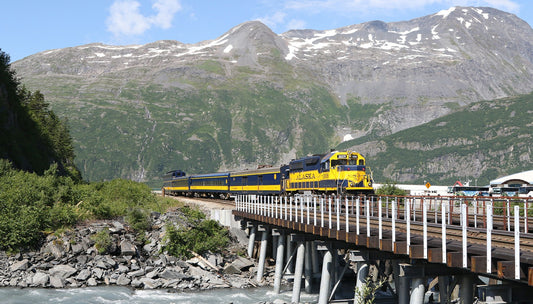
column 273, row 20
column 166, row 10
column 294, row 24
column 125, row 17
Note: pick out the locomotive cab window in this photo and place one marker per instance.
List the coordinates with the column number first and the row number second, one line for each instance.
column 338, row 162
column 353, row 161
column 361, row 162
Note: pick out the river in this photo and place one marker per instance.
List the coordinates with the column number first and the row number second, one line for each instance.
column 124, row 295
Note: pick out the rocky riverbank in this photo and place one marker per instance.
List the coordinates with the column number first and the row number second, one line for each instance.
column 71, row 260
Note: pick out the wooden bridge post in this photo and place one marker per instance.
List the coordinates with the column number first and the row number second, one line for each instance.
column 443, row 232
column 489, row 237
column 346, row 217
column 408, row 225
column 329, row 212
column 357, row 213
column 314, row 210
column 464, row 222
column 517, row 242
column 393, row 228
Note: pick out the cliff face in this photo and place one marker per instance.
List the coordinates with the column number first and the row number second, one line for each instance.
column 254, row 97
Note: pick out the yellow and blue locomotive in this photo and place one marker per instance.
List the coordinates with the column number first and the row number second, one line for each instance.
column 334, row 172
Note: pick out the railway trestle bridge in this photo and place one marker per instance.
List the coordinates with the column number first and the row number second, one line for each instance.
column 462, row 248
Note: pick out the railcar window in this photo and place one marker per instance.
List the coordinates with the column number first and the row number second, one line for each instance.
column 361, row 162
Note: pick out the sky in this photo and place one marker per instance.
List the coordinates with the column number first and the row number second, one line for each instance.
column 31, row 26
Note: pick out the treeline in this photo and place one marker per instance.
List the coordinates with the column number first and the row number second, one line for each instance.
column 32, row 137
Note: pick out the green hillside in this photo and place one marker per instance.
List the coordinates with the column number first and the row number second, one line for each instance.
column 142, row 130
column 480, row 142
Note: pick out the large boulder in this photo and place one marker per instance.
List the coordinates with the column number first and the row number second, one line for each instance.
column 238, row 266
column 127, row 248
column 83, row 275
column 19, row 265
column 62, row 271
column 56, row 282
column 40, row 279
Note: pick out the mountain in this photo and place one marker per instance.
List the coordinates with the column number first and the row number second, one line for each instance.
column 483, row 140
column 255, row 97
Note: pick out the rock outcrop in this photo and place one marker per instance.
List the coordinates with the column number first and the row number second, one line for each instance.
column 71, row 260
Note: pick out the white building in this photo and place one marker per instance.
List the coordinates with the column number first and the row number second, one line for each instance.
column 518, row 183
column 421, row 189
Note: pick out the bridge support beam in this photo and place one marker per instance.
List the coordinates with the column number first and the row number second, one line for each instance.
column 314, row 256
column 251, row 241
column 262, row 254
column 444, row 286
column 290, row 248
column 415, row 273
column 308, row 272
column 274, row 247
column 298, row 271
column 466, row 289
column 325, row 280
column 280, row 248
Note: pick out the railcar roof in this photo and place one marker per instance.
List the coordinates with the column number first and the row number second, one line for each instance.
column 256, row 171
column 210, row 175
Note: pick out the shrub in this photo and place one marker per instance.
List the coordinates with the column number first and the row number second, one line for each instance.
column 202, row 236
column 390, row 188
column 138, row 219
column 31, row 204
column 102, row 241
column 366, row 294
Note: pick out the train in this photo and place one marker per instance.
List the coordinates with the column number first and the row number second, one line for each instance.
column 336, row 172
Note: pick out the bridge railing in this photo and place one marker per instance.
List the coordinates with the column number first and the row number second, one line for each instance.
column 317, row 208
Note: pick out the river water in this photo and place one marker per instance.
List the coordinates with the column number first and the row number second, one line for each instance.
column 124, row 295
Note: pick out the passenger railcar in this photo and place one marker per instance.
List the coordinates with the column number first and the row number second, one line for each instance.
column 266, row 181
column 214, row 184
column 175, row 183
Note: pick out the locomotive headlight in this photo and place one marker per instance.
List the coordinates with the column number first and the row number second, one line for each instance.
column 352, row 184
